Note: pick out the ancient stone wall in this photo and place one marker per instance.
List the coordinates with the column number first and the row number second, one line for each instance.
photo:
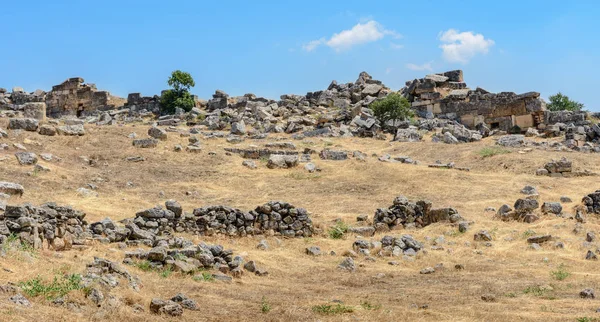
column 73, row 97
column 446, row 95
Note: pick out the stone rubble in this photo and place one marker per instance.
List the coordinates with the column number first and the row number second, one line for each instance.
column 412, row 214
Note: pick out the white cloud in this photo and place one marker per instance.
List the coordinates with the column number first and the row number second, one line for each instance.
column 312, row 45
column 396, row 46
column 460, row 47
column 361, row 33
column 426, row 66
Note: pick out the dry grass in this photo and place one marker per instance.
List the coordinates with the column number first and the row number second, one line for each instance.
column 297, row 282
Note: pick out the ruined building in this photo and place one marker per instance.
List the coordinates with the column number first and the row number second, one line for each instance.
column 73, row 97
column 446, row 96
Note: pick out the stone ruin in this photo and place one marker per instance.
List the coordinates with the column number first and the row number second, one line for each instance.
column 74, row 97
column 275, row 218
column 59, row 227
column 389, row 246
column 446, row 95
column 592, row 202
column 404, row 213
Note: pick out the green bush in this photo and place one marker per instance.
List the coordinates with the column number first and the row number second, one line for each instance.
column 391, row 108
column 561, row 273
column 329, row 309
column 338, row 231
column 560, row 102
column 179, row 95
column 60, row 286
column 265, row 307
column 491, row 151
column 204, row 277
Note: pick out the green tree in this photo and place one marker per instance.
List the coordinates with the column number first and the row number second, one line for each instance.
column 560, row 102
column 391, row 108
column 179, row 95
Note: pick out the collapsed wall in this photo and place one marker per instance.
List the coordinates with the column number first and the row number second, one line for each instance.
column 446, row 95
column 74, row 97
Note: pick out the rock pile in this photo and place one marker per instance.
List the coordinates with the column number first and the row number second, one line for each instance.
column 60, row 227
column 415, row 214
column 557, row 168
column 275, row 217
column 182, row 255
column 592, row 202
column 174, row 306
column 389, row 246
column 523, row 210
column 341, row 109
column 107, row 274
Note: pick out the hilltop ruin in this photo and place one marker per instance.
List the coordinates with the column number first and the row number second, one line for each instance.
column 442, row 96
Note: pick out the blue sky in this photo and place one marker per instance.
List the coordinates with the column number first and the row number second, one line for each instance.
column 271, row 48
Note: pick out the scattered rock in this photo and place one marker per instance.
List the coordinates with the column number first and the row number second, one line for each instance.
column 587, row 293
column 313, row 251
column 347, row 264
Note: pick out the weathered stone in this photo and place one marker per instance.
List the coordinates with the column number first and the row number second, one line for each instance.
column 539, row 239
column 157, row 133
column 48, row 130
column 11, row 188
column 482, row 235
column 71, row 130
column 282, row 161
column 26, row 158
column 27, row 124
column 347, row 264
column 145, row 143
column 552, row 208
column 313, row 251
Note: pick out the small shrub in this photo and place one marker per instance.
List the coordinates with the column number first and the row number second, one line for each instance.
column 511, row 294
column 60, row 286
column 528, row 233
column 165, row 273
column 265, row 307
column 13, row 242
column 368, row 306
column 144, row 266
column 536, row 291
column 491, row 151
column 338, row 231
column 329, row 309
column 587, row 319
column 203, row 277
column 561, row 273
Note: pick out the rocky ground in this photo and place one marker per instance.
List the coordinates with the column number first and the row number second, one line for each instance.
column 466, row 258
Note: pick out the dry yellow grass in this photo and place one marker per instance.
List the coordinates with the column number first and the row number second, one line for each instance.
column 344, row 189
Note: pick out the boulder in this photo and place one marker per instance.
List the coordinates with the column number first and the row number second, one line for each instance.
column 35, row 110
column 282, row 161
column 514, row 140
column 157, row 133
column 71, row 130
column 552, row 208
column 12, row 189
column 26, row 158
column 145, row 143
column 333, row 155
column 48, row 130
column 238, row 128
column 408, row 135
column 27, row 124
